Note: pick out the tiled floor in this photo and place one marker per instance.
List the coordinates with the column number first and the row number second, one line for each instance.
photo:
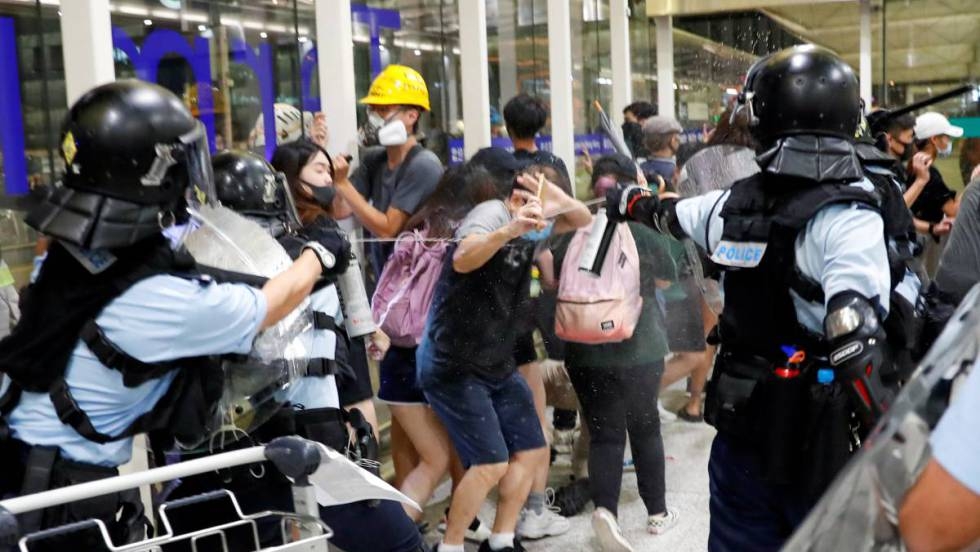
column 686, row 446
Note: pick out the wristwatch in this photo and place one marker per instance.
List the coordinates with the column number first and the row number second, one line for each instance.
column 327, row 259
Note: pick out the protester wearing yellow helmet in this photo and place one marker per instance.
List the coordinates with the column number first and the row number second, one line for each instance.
column 388, row 187
column 381, row 193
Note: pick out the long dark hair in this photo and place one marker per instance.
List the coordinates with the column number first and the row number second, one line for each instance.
column 735, row 133
column 289, row 159
column 460, row 189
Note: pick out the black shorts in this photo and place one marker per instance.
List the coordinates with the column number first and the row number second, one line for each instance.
column 684, row 320
column 398, row 381
column 357, row 389
column 524, row 351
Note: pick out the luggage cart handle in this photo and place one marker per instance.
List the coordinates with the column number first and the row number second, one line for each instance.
column 293, row 456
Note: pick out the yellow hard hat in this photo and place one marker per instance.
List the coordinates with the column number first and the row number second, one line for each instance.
column 398, row 85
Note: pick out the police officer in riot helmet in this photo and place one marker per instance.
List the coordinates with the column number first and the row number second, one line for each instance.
column 123, row 335
column 249, row 185
column 799, row 374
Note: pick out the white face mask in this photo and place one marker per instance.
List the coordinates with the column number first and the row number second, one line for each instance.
column 947, row 151
column 393, row 133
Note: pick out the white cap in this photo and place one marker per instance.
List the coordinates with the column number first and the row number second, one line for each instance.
column 932, row 124
column 288, row 125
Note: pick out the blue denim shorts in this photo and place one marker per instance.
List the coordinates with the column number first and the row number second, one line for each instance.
column 488, row 420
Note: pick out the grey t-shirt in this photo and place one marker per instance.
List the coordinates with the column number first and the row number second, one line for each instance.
column 959, row 267
column 484, row 218
column 417, row 182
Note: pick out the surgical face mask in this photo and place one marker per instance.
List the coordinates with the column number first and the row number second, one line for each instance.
column 539, row 235
column 947, row 151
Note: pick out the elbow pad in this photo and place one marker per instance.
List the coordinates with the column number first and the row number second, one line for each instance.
column 858, row 353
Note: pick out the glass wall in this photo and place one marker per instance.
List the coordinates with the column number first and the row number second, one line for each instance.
column 424, row 35
column 32, row 103
column 234, row 65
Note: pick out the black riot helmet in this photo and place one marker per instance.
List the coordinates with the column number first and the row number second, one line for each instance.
column 247, row 184
column 805, row 89
column 134, row 158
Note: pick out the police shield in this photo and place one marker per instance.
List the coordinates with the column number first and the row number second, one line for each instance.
column 716, row 168
column 712, row 168
column 860, row 509
column 256, row 383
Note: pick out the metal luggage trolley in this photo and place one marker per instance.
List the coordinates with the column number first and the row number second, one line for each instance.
column 204, row 523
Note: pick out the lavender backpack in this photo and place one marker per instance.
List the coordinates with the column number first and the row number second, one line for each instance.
column 404, row 292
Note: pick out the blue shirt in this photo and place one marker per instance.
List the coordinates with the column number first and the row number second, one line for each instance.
column 157, row 319
column 842, row 248
column 956, row 440
column 313, row 391
column 662, row 166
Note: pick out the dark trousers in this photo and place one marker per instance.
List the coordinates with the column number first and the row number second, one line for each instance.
column 747, row 513
column 617, row 401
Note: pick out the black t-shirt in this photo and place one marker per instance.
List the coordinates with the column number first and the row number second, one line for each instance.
column 541, row 157
column 929, row 205
column 472, row 318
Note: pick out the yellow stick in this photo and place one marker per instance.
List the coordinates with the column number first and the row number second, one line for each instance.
column 541, row 187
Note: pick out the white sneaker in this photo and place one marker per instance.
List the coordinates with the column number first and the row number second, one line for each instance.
column 665, row 415
column 546, row 524
column 661, row 523
column 607, row 531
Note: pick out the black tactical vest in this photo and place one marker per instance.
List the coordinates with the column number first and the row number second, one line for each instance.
column 184, row 410
column 759, row 316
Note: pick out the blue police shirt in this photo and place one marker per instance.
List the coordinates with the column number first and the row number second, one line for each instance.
column 842, row 248
column 956, row 440
column 157, row 319
column 320, row 392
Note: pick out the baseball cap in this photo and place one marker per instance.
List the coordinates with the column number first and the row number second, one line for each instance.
column 661, row 124
column 932, row 124
column 499, row 162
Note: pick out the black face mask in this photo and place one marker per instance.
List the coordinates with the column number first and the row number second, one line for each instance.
column 906, row 153
column 323, row 195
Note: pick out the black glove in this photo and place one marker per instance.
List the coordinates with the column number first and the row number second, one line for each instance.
column 631, row 202
column 327, row 235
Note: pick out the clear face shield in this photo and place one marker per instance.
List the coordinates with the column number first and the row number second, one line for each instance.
column 193, row 157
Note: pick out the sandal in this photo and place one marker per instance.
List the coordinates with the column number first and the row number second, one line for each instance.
column 683, row 414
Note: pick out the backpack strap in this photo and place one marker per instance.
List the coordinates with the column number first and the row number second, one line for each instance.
column 405, row 162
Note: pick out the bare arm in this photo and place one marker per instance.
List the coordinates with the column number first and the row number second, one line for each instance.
column 383, row 225
column 920, row 168
column 939, row 513
column 569, row 213
column 546, row 265
column 286, row 291
column 476, row 249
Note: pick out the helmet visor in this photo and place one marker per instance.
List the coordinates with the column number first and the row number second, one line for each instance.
column 197, row 162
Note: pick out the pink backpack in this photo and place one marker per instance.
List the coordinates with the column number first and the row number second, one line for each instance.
column 605, row 308
column 404, row 292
